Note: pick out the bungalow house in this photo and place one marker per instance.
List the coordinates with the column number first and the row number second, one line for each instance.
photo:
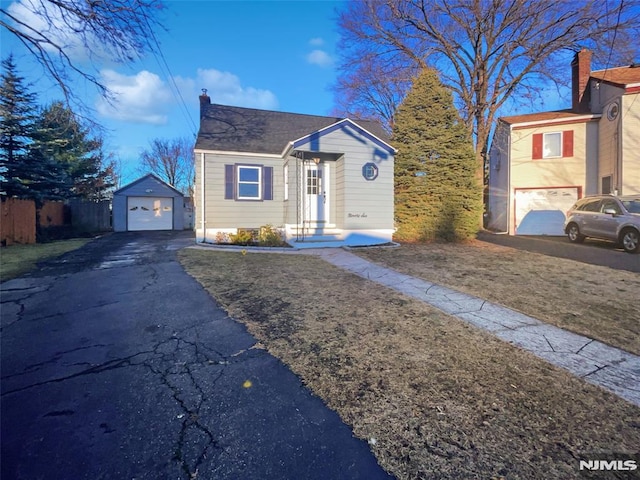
column 541, row 163
column 321, row 181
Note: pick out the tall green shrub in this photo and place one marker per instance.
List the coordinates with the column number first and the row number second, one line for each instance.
column 437, row 193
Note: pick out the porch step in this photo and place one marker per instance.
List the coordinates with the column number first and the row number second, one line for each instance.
column 319, row 237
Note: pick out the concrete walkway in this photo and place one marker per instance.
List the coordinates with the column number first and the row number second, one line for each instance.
column 608, row 367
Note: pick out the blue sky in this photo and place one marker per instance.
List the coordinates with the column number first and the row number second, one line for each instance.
column 269, row 54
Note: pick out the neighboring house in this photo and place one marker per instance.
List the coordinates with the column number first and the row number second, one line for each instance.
column 321, row 181
column 541, row 163
column 147, row 204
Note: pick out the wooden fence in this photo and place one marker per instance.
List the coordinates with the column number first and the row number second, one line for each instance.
column 18, row 221
column 19, row 224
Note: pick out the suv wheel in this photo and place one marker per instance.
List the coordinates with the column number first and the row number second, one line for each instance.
column 630, row 240
column 573, row 232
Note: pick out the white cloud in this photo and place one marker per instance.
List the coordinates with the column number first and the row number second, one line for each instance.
column 226, row 88
column 140, row 98
column 316, row 42
column 320, row 58
column 43, row 21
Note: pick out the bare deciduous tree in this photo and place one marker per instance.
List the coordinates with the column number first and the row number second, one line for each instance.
column 171, row 160
column 487, row 51
column 62, row 35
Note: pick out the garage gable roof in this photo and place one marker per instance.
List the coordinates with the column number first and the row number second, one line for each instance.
column 140, row 187
column 238, row 129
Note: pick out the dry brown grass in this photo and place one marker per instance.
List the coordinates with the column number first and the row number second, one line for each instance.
column 598, row 302
column 440, row 398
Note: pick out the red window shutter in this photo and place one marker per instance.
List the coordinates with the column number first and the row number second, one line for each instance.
column 537, row 146
column 567, row 143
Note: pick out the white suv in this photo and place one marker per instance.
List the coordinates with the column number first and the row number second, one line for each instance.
column 606, row 217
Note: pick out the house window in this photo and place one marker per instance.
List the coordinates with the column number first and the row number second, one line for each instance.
column 606, row 184
column 313, row 182
column 552, row 145
column 249, row 182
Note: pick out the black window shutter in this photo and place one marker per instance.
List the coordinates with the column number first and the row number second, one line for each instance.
column 229, row 182
column 267, row 183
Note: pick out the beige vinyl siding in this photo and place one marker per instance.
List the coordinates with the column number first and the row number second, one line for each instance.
column 290, row 205
column 338, row 219
column 608, row 148
column 547, row 172
column 226, row 213
column 353, row 193
column 631, row 144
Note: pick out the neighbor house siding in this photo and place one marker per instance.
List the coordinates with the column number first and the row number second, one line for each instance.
column 222, row 213
column 631, row 143
column 499, row 179
column 547, row 172
column 527, row 172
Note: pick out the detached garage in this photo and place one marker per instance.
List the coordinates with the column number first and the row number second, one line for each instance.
column 148, row 204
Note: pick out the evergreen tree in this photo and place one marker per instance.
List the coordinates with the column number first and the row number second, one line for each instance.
column 23, row 174
column 437, row 193
column 62, row 141
column 16, row 126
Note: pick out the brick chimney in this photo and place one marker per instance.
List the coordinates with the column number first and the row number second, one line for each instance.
column 580, row 73
column 205, row 100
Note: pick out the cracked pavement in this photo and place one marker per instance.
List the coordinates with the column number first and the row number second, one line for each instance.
column 117, row 364
column 600, row 364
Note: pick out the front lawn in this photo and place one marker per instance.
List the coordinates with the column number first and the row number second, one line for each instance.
column 19, row 259
column 434, row 397
column 598, row 302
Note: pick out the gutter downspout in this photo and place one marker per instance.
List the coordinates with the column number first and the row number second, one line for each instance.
column 203, row 222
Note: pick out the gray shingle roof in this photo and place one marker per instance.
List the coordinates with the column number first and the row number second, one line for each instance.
column 239, row 129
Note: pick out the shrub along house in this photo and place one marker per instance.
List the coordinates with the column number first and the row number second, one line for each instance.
column 541, row 163
column 321, row 181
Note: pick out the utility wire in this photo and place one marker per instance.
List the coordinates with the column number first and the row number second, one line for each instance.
column 615, row 33
column 175, row 91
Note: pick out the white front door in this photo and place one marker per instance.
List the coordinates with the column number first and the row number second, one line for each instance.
column 316, row 188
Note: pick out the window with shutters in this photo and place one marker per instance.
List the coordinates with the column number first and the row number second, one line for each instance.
column 553, row 145
column 248, row 182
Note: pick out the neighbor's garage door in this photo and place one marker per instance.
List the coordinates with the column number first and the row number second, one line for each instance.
column 147, row 213
column 541, row 211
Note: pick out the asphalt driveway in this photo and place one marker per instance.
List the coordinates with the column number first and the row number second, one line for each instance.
column 593, row 252
column 118, row 365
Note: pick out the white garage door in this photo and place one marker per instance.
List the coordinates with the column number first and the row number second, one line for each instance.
column 148, row 213
column 541, row 211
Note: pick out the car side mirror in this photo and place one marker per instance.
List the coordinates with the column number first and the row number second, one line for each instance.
column 610, row 211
